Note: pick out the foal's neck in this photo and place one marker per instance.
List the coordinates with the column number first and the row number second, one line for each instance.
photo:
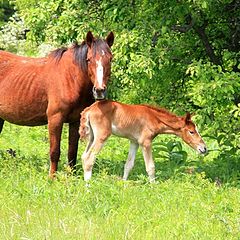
column 168, row 122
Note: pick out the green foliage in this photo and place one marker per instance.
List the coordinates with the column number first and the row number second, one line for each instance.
column 6, row 10
column 12, row 35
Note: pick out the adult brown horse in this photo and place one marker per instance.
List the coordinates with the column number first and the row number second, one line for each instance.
column 55, row 89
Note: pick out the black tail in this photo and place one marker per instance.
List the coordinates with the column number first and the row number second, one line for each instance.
column 1, row 124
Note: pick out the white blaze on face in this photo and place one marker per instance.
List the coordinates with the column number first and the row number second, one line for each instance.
column 99, row 73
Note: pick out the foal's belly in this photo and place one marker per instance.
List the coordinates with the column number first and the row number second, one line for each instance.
column 124, row 133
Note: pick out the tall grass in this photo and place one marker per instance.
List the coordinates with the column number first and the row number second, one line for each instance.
column 187, row 202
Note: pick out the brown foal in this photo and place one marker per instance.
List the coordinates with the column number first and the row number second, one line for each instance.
column 140, row 124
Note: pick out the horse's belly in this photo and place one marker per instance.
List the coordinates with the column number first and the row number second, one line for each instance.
column 28, row 114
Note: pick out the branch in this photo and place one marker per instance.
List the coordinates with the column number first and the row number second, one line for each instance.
column 203, row 36
column 200, row 30
column 184, row 28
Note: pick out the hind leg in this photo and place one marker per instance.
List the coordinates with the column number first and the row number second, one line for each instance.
column 1, row 124
column 130, row 160
column 89, row 156
column 90, row 142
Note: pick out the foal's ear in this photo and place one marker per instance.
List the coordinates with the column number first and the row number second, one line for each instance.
column 110, row 39
column 187, row 118
column 89, row 38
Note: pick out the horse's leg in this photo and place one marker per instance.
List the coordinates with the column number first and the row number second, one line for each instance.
column 130, row 160
column 73, row 144
column 89, row 157
column 1, row 124
column 55, row 124
column 148, row 158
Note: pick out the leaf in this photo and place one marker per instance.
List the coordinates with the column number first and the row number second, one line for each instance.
column 204, row 4
column 164, row 29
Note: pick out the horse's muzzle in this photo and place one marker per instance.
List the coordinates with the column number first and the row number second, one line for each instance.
column 99, row 94
column 202, row 149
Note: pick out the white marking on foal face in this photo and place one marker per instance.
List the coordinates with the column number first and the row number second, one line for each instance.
column 99, row 72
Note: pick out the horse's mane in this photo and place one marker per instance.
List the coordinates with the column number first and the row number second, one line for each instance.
column 172, row 119
column 58, row 53
column 80, row 51
column 159, row 109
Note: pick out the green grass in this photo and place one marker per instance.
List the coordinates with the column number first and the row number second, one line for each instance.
column 193, row 199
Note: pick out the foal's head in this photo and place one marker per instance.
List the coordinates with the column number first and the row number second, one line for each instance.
column 99, row 58
column 191, row 136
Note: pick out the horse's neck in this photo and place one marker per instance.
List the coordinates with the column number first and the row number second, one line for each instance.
column 77, row 78
column 167, row 122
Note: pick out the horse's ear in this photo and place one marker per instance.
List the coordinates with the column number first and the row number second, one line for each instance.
column 187, row 118
column 89, row 38
column 110, row 39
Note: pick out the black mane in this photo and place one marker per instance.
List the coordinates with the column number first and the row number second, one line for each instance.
column 80, row 52
column 58, row 53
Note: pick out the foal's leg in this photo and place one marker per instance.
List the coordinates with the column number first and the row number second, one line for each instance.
column 55, row 124
column 148, row 158
column 73, row 138
column 89, row 157
column 89, row 144
column 130, row 160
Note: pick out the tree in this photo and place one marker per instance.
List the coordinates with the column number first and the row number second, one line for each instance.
column 179, row 54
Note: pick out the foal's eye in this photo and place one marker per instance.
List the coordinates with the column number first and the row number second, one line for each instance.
column 191, row 132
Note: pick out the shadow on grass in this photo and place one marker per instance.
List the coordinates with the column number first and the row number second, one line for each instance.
column 223, row 169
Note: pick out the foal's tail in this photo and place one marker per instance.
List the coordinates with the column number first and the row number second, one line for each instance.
column 84, row 129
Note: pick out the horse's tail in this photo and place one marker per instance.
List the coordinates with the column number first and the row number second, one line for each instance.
column 84, row 129
column 1, row 124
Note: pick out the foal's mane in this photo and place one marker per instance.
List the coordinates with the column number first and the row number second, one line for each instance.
column 172, row 120
column 80, row 52
column 159, row 109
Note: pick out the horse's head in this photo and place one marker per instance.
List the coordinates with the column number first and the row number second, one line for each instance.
column 191, row 136
column 99, row 58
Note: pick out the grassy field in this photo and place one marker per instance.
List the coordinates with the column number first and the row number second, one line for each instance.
column 194, row 197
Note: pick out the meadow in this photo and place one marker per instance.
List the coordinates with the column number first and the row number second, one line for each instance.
column 193, row 198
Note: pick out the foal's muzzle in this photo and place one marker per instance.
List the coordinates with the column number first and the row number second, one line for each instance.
column 99, row 93
column 202, row 149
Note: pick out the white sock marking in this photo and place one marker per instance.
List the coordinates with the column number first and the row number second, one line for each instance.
column 87, row 175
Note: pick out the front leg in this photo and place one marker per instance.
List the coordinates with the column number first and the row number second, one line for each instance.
column 73, row 138
column 148, row 158
column 55, row 124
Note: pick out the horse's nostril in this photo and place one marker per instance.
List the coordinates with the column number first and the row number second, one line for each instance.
column 203, row 150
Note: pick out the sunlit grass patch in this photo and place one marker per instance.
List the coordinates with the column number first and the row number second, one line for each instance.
column 184, row 203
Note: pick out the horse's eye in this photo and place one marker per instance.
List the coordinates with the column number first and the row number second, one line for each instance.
column 191, row 132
